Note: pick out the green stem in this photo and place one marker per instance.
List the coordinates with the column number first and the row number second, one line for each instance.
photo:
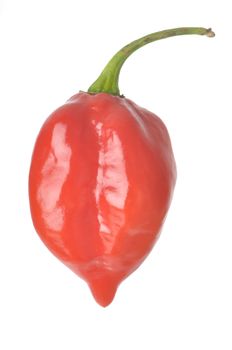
column 108, row 79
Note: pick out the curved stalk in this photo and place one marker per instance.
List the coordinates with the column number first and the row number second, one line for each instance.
column 108, row 79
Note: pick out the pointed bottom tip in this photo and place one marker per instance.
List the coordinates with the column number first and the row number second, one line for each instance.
column 103, row 291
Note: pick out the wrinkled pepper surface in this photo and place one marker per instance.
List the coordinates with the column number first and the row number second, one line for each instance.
column 102, row 177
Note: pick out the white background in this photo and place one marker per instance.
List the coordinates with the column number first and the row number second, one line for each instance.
column 180, row 298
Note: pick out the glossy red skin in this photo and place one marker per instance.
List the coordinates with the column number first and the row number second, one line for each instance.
column 101, row 182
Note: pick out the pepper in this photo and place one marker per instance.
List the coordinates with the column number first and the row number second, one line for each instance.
column 102, row 177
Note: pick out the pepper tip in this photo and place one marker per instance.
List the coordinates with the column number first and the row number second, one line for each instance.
column 103, row 290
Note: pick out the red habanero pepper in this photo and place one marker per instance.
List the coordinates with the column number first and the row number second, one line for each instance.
column 102, row 177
